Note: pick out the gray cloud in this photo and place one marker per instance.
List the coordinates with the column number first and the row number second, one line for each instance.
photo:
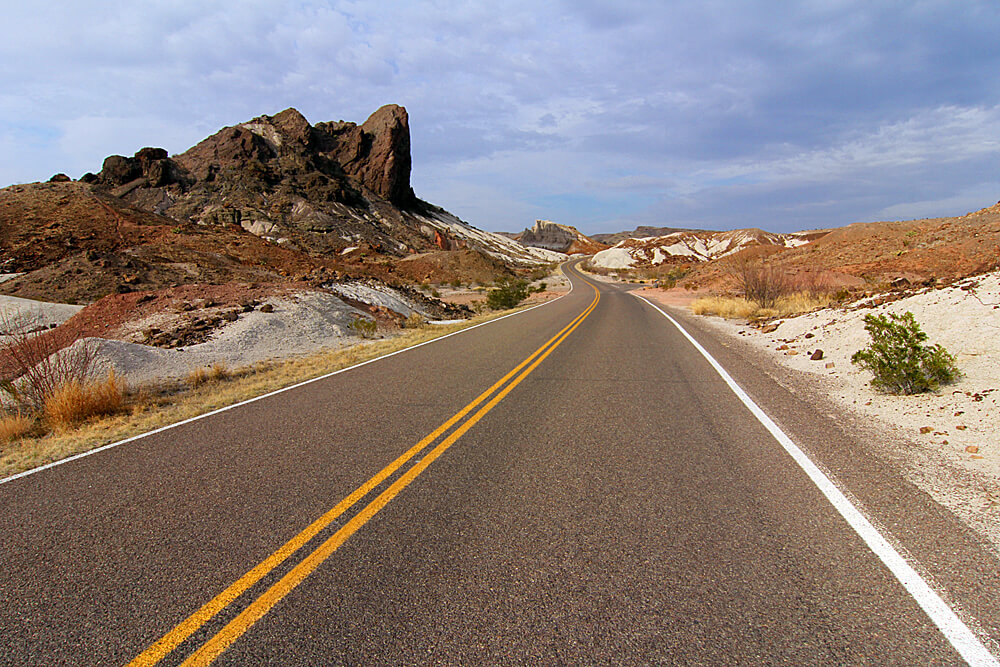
column 713, row 114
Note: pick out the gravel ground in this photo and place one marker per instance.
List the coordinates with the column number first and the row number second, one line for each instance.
column 300, row 324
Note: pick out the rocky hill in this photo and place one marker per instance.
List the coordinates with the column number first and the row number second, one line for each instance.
column 693, row 246
column 871, row 256
column 641, row 232
column 559, row 238
column 269, row 199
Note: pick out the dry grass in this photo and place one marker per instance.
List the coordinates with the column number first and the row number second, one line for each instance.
column 14, row 426
column 146, row 411
column 75, row 402
column 203, row 375
column 414, row 321
column 735, row 307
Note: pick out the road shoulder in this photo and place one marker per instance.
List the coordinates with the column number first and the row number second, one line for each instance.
column 875, row 468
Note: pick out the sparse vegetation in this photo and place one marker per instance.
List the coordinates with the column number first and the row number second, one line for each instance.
column 898, row 360
column 203, row 375
column 75, row 402
column 732, row 307
column 758, row 281
column 364, row 327
column 15, row 425
column 35, row 361
column 32, row 445
column 508, row 293
column 414, row 321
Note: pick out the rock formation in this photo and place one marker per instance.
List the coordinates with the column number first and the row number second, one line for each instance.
column 267, row 199
column 559, row 238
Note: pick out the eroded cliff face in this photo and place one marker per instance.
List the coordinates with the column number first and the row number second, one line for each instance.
column 377, row 153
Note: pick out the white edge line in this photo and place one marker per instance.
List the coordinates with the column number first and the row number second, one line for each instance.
column 951, row 626
column 161, row 429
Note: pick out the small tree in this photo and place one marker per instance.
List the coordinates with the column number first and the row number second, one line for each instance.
column 898, row 360
column 758, row 281
column 507, row 294
column 36, row 361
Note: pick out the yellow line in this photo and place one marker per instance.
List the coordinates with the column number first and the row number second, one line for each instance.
column 259, row 607
column 166, row 644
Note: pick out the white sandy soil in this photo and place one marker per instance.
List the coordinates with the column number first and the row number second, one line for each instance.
column 42, row 313
column 300, row 324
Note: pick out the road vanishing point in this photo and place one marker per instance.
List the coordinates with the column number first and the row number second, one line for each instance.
column 591, row 481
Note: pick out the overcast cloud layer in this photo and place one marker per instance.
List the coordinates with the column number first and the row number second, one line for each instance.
column 603, row 115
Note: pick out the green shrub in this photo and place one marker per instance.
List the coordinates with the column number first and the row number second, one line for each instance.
column 364, row 327
column 897, row 359
column 507, row 294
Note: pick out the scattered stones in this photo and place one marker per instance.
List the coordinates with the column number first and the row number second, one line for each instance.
column 830, row 364
column 972, row 449
column 816, row 356
column 924, row 430
column 781, row 347
column 267, row 308
column 769, row 328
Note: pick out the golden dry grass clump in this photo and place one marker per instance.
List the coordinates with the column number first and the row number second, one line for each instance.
column 14, row 426
column 75, row 402
column 202, row 375
column 735, row 307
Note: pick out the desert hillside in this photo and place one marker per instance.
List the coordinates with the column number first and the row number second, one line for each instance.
column 861, row 255
column 271, row 199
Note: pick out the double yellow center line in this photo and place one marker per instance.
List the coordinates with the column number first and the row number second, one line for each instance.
column 218, row 643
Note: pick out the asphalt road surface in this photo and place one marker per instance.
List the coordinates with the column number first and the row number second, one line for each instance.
column 574, row 484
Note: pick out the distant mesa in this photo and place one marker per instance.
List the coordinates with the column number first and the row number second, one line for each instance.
column 559, row 238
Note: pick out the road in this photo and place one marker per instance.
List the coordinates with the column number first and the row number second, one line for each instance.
column 611, row 500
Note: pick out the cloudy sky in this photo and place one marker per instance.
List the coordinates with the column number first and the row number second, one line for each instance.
column 604, row 115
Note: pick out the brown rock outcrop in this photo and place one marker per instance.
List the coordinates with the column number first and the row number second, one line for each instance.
column 377, row 153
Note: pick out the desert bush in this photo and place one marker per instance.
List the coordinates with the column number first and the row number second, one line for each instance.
column 414, row 321
column 507, row 294
column 74, row 402
column 35, row 361
column 364, row 327
column 899, row 361
column 15, row 425
column 757, row 280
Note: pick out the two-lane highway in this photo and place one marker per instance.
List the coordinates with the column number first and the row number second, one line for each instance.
column 572, row 484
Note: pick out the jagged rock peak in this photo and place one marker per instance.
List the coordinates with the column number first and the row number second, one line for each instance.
column 377, row 153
